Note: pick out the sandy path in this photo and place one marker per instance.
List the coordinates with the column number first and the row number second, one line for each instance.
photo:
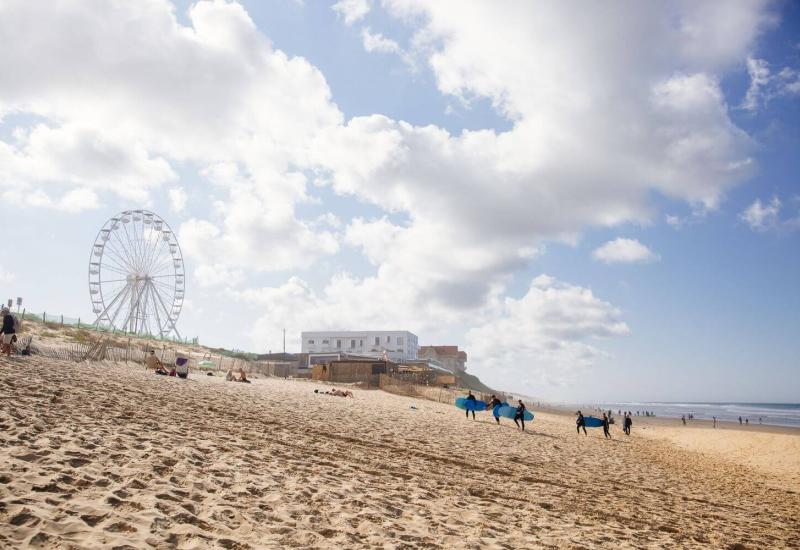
column 108, row 456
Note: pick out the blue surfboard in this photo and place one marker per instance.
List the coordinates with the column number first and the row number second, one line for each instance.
column 592, row 422
column 469, row 405
column 510, row 411
column 496, row 409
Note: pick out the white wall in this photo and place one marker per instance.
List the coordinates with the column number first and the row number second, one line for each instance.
column 399, row 344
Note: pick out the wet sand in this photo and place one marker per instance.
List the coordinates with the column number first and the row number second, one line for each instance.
column 95, row 455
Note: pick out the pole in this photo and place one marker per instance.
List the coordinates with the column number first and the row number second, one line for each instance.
column 284, row 344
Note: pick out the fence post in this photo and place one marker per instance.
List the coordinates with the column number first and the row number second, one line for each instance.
column 23, row 314
column 44, row 317
column 79, row 322
column 62, row 321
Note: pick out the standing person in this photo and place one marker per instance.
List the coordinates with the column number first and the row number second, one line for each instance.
column 747, row 421
column 715, row 421
column 580, row 423
column 520, row 414
column 470, row 404
column 740, row 420
column 683, row 419
column 628, row 422
column 495, row 402
column 606, row 431
column 8, row 331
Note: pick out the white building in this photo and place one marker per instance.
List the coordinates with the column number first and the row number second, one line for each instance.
column 398, row 344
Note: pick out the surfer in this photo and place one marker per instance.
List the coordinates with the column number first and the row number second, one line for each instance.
column 495, row 402
column 520, row 414
column 581, row 423
column 471, row 407
column 605, row 426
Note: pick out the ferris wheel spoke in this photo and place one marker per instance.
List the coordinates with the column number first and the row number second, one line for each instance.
column 126, row 244
column 121, row 305
column 155, row 246
column 111, row 305
column 119, row 261
column 124, row 261
column 168, row 316
column 114, row 269
column 131, row 243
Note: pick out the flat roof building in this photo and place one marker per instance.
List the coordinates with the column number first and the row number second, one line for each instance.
column 397, row 345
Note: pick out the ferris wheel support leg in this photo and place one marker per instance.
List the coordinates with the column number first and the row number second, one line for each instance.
column 169, row 319
column 108, row 308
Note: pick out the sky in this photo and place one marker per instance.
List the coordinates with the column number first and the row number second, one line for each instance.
column 596, row 201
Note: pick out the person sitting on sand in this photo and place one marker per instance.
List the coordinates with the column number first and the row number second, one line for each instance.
column 229, row 377
column 243, row 376
column 492, row 404
column 341, row 393
column 581, row 423
column 152, row 362
column 520, row 414
column 471, row 398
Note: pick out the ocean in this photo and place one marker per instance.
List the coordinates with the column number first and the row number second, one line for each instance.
column 775, row 414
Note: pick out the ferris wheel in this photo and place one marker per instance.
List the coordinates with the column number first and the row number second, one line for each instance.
column 136, row 276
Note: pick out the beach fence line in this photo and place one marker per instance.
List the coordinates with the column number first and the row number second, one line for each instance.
column 58, row 320
column 440, row 394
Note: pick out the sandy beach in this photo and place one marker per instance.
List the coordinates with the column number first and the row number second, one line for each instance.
column 103, row 455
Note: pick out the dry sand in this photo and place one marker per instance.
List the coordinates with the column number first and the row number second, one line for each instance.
column 96, row 455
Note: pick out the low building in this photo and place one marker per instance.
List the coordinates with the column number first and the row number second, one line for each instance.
column 396, row 345
column 449, row 357
column 352, row 371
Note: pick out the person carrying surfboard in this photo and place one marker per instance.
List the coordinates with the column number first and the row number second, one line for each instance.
column 471, row 397
column 520, row 415
column 581, row 423
column 495, row 402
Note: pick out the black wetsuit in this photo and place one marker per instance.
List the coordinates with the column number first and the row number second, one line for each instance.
column 8, row 324
column 520, row 416
column 581, row 423
column 471, row 397
column 492, row 404
column 605, row 428
column 628, row 423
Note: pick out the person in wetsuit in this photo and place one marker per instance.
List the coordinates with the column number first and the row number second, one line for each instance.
column 580, row 423
column 471, row 397
column 520, row 414
column 606, row 431
column 492, row 404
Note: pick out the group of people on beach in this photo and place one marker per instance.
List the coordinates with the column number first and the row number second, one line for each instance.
column 337, row 392
column 519, row 413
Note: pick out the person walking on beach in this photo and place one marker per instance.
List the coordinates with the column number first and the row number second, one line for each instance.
column 627, row 423
column 715, row 421
column 747, row 421
column 683, row 419
column 581, row 423
column 8, row 331
column 495, row 402
column 470, row 404
column 520, row 414
column 740, row 420
column 606, row 432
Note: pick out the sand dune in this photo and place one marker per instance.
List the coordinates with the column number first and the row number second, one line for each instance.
column 95, row 455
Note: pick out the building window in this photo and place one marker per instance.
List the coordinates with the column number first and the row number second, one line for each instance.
column 399, row 340
column 388, row 339
column 352, row 344
column 377, row 341
column 338, row 344
column 361, row 343
column 325, row 341
column 311, row 341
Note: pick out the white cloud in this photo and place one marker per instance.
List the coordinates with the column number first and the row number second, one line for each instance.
column 543, row 339
column 177, row 199
column 376, row 42
column 352, row 10
column 766, row 216
column 758, row 69
column 624, row 251
column 73, row 201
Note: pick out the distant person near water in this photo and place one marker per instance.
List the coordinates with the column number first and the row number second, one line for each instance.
column 492, row 404
column 520, row 414
column 740, row 420
column 580, row 422
column 471, row 397
column 683, row 419
column 715, row 421
column 606, row 431
column 627, row 423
